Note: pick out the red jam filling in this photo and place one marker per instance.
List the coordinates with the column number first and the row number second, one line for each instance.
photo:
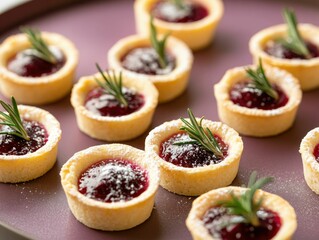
column 246, row 95
column 189, row 155
column 104, row 104
column 113, row 180
column 26, row 64
column 145, row 60
column 276, row 49
column 214, row 218
column 12, row 145
column 170, row 12
column 316, row 152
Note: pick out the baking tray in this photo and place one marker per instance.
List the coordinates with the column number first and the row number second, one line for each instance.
column 38, row 209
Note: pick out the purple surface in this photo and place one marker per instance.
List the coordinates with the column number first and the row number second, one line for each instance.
column 38, row 209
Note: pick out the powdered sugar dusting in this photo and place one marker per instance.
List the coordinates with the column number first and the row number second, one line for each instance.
column 113, row 181
column 146, row 61
column 12, row 145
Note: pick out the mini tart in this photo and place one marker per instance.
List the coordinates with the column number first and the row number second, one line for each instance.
column 114, row 128
column 212, row 198
column 39, row 90
column 22, row 168
column 252, row 121
column 169, row 85
column 197, row 180
column 196, row 35
column 310, row 165
column 108, row 216
column 306, row 71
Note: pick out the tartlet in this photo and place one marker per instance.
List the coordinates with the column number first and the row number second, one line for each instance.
column 110, row 216
column 169, row 85
column 309, row 162
column 196, row 35
column 117, row 128
column 195, row 180
column 213, row 198
column 21, row 168
column 37, row 90
column 305, row 70
column 253, row 121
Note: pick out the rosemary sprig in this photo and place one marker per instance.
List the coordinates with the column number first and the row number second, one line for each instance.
column 12, row 119
column 294, row 43
column 179, row 3
column 260, row 80
column 244, row 205
column 158, row 45
column 112, row 85
column 41, row 48
column 199, row 135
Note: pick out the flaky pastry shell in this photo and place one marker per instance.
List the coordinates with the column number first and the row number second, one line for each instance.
column 212, row 198
column 38, row 90
column 310, row 165
column 114, row 128
column 101, row 215
column 22, row 168
column 196, row 35
column 305, row 70
column 198, row 180
column 169, row 85
column 252, row 121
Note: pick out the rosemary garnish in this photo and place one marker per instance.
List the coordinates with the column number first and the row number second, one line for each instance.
column 41, row 49
column 294, row 43
column 12, row 119
column 245, row 206
column 112, row 85
column 199, row 135
column 158, row 45
column 179, row 3
column 261, row 82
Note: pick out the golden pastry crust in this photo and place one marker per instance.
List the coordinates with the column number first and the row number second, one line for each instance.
column 169, row 85
column 198, row 180
column 27, row 167
column 108, row 216
column 306, row 71
column 270, row 201
column 310, row 165
column 40, row 90
column 258, row 122
column 196, row 35
column 114, row 128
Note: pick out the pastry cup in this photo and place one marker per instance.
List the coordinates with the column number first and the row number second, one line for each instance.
column 108, row 216
column 196, row 35
column 310, row 165
column 39, row 90
column 114, row 128
column 22, row 168
column 198, row 180
column 170, row 85
column 306, row 71
column 212, row 198
column 252, row 121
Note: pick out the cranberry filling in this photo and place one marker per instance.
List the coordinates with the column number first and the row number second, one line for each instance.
column 104, row 104
column 189, row 155
column 276, row 49
column 270, row 223
column 170, row 12
column 12, row 145
column 316, row 152
column 145, row 60
column 26, row 64
column 113, row 180
column 246, row 95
